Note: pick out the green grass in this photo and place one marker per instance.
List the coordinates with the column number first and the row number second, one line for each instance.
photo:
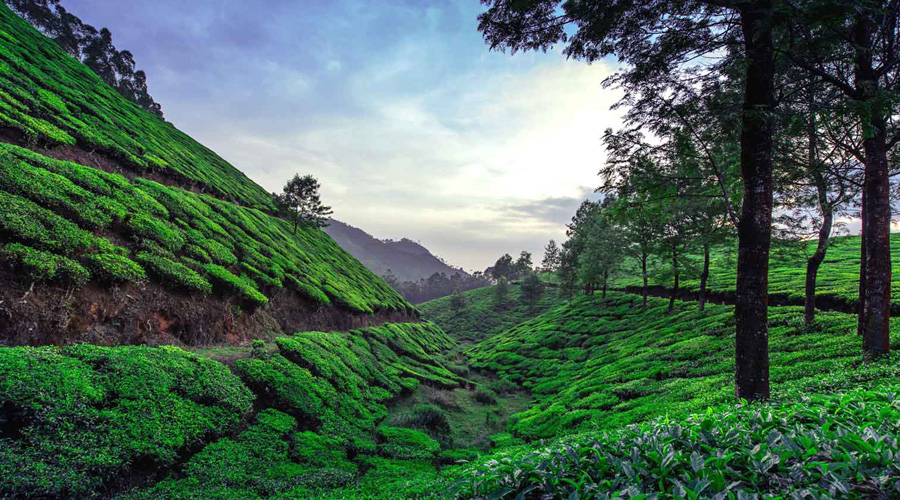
column 482, row 318
column 54, row 100
column 602, row 364
column 61, row 219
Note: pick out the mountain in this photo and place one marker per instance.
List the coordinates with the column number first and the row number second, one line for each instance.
column 116, row 227
column 406, row 259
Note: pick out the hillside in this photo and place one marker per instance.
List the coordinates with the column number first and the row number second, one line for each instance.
column 407, row 260
column 605, row 363
column 482, row 317
column 139, row 422
column 163, row 240
column 837, row 284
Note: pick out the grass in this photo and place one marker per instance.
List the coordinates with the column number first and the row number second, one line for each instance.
column 602, row 364
column 55, row 100
column 61, row 219
column 482, row 318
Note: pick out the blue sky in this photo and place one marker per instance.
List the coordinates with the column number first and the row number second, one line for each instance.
column 411, row 124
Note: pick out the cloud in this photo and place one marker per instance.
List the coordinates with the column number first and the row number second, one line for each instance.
column 412, row 125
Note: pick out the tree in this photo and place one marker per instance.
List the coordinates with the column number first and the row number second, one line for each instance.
column 854, row 51
column 532, row 289
column 501, row 292
column 656, row 38
column 503, row 268
column 457, row 301
column 92, row 47
column 301, row 203
column 550, row 263
column 523, row 264
column 568, row 272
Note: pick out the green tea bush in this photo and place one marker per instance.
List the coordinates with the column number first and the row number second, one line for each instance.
column 428, row 418
column 823, row 446
column 485, row 396
column 406, row 444
column 232, row 284
column 174, row 273
column 83, row 415
column 38, row 265
column 605, row 363
column 114, row 268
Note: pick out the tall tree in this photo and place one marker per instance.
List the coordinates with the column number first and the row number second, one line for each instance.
column 656, row 37
column 532, row 288
column 301, row 203
column 551, row 257
column 855, row 51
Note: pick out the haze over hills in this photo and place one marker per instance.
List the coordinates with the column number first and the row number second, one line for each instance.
column 404, row 258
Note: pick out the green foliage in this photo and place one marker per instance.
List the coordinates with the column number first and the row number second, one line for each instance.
column 406, row 444
column 53, row 98
column 605, row 363
column 38, row 265
column 80, row 416
column 822, row 446
column 174, row 273
column 232, row 284
column 427, row 418
column 485, row 396
column 114, row 267
column 481, row 320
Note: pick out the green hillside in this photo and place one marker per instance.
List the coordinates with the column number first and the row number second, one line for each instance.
column 838, row 276
column 601, row 364
column 67, row 224
column 55, row 100
column 482, row 317
column 94, row 422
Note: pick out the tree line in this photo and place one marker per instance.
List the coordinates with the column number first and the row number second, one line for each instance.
column 91, row 46
column 437, row 285
column 750, row 117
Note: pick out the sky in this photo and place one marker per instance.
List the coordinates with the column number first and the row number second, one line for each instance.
column 412, row 125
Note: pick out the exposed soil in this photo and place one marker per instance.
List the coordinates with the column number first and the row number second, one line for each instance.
column 42, row 314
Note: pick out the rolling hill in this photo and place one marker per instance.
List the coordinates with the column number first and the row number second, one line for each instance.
column 406, row 259
column 162, row 239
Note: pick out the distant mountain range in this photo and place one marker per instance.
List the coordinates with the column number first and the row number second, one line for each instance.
column 406, row 259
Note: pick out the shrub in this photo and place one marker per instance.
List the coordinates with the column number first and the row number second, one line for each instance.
column 232, row 284
column 144, row 226
column 322, row 452
column 503, row 386
column 86, row 415
column 428, row 418
column 114, row 267
column 45, row 266
column 485, row 396
column 169, row 271
column 406, row 444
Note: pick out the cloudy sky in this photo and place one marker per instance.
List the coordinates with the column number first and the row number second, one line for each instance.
column 411, row 124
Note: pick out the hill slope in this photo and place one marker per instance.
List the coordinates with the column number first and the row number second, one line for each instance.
column 153, row 262
column 407, row 260
column 137, row 422
column 605, row 363
column 482, row 317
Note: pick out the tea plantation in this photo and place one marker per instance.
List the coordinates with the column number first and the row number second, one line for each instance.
column 838, row 276
column 93, row 422
column 55, row 100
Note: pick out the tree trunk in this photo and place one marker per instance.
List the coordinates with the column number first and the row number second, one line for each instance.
column 861, row 304
column 605, row 281
column 827, row 211
column 812, row 265
column 877, row 297
column 755, row 225
column 645, row 290
column 675, row 284
column 704, row 276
